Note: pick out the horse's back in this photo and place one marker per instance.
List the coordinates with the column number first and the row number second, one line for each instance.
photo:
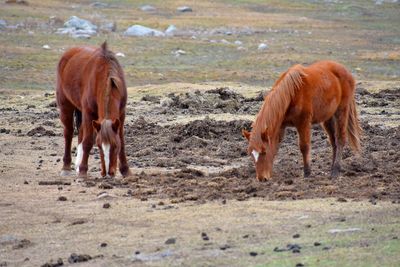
column 71, row 72
column 327, row 85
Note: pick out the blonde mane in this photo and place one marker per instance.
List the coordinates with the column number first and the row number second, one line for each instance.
column 276, row 103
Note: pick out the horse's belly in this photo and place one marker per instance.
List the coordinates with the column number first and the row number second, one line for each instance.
column 323, row 110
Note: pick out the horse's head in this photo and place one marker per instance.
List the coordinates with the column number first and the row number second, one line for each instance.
column 262, row 155
column 109, row 143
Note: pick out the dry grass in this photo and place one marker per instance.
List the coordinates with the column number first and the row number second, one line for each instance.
column 361, row 35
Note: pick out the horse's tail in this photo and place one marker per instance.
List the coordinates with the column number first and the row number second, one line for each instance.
column 78, row 119
column 354, row 130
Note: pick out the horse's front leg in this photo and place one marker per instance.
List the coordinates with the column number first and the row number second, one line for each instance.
column 123, row 163
column 84, row 148
column 304, row 131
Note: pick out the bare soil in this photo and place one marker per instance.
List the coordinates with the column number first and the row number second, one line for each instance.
column 191, row 176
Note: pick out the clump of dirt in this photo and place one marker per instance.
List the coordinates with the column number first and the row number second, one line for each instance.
column 220, row 100
column 40, row 131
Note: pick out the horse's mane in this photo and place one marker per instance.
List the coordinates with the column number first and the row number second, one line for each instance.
column 115, row 78
column 275, row 105
column 106, row 132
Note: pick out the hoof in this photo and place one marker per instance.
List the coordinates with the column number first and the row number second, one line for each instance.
column 307, row 173
column 66, row 173
column 335, row 172
column 263, row 179
column 127, row 173
column 82, row 175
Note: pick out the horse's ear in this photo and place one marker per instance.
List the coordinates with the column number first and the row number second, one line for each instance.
column 96, row 125
column 246, row 134
column 115, row 125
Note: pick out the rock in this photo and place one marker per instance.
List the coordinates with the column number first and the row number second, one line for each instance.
column 171, row 30
column 47, row 47
column 106, row 206
column 62, row 198
column 348, row 230
column 78, row 28
column 78, row 258
column 237, row 42
column 103, row 245
column 253, row 254
column 178, row 52
column 262, row 46
column 119, row 54
column 147, row 8
column 204, row 236
column 80, row 24
column 53, row 263
column 99, row 5
column 110, row 26
column 3, row 24
column 184, row 9
column 139, row 30
column 316, row 244
column 225, row 41
column 170, row 241
column 296, row 235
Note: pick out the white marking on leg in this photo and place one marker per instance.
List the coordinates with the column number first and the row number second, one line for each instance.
column 255, row 155
column 106, row 152
column 79, row 156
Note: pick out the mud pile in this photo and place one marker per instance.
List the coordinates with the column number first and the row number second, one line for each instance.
column 207, row 159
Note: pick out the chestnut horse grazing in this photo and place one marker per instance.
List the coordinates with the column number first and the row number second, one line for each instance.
column 302, row 96
column 91, row 84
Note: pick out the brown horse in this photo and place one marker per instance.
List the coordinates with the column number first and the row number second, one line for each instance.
column 302, row 96
column 91, row 84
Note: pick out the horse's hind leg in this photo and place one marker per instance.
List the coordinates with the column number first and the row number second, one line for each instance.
column 341, row 117
column 329, row 127
column 67, row 119
column 304, row 143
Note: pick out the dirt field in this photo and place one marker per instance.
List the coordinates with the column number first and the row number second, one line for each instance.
column 191, row 168
column 193, row 199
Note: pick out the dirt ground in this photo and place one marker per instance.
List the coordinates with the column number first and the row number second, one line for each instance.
column 193, row 199
column 189, row 161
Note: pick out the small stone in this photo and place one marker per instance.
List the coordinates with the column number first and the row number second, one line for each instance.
column 326, row 248
column 184, row 9
column 170, row 241
column 170, row 31
column 341, row 199
column 262, row 46
column 106, row 205
column 224, row 247
column 316, row 244
column 47, row 47
column 296, row 235
column 62, row 198
column 204, row 236
column 119, row 54
column 78, row 258
column 52, row 263
column 299, row 265
column 103, row 245
column 253, row 254
column 147, row 8
column 26, row 182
